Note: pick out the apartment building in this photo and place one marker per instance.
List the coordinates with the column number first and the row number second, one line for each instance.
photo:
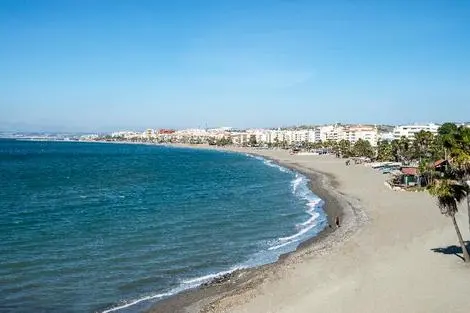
column 409, row 131
column 356, row 132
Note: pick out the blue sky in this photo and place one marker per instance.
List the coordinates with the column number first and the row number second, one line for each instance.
column 102, row 65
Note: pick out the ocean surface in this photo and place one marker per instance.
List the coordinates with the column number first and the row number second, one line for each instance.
column 91, row 227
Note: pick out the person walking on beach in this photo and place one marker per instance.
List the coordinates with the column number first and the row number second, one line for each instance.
column 337, row 223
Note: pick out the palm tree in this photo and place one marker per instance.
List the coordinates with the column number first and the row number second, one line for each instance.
column 447, row 133
column 459, row 151
column 404, row 146
column 395, row 147
column 449, row 193
column 384, row 151
column 422, row 142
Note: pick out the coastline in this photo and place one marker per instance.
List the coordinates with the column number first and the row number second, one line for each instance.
column 209, row 297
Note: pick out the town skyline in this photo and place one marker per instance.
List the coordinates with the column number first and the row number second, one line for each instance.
column 25, row 128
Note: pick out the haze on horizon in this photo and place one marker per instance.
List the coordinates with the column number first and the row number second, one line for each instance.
column 104, row 65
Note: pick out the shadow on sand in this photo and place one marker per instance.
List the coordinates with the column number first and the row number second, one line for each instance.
column 453, row 250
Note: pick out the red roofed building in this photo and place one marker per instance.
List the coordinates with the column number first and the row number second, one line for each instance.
column 409, row 171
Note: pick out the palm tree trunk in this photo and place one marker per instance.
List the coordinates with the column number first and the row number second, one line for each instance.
column 468, row 208
column 467, row 182
column 466, row 256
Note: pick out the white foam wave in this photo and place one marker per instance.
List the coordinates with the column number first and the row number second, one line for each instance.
column 298, row 234
column 314, row 216
column 300, row 188
column 186, row 284
column 272, row 164
column 200, row 280
column 281, row 245
column 268, row 162
column 314, row 203
column 134, row 302
column 296, row 182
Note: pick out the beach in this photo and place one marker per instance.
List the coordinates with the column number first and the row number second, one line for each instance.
column 387, row 256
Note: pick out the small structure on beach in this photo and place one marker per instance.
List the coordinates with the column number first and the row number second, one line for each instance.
column 440, row 165
column 409, row 176
column 406, row 177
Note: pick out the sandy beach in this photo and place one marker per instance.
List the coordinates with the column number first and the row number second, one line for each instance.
column 384, row 258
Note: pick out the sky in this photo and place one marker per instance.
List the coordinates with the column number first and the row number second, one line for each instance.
column 104, row 65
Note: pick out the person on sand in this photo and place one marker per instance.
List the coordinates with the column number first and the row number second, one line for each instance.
column 337, row 221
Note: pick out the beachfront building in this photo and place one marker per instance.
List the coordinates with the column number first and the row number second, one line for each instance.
column 409, row 131
column 353, row 133
column 194, row 135
column 90, row 137
column 149, row 134
column 127, row 135
column 240, row 138
column 302, row 136
column 260, row 135
column 329, row 132
column 386, row 136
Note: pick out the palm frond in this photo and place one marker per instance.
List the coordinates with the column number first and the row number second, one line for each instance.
column 448, row 193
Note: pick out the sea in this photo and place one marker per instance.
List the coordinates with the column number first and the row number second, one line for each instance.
column 99, row 227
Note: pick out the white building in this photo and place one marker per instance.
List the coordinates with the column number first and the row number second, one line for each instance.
column 328, row 132
column 386, row 136
column 356, row 132
column 409, row 131
column 126, row 135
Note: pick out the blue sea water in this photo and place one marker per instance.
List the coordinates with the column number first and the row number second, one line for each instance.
column 89, row 227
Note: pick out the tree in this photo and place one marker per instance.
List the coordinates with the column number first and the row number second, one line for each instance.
column 395, row 148
column 329, row 145
column 447, row 133
column 318, row 145
column 276, row 142
column 404, row 149
column 449, row 193
column 252, row 141
column 385, row 151
column 344, row 148
column 458, row 144
column 421, row 144
column 363, row 148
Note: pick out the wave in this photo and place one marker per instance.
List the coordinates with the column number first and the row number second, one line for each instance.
column 195, row 282
column 313, row 207
column 184, row 285
column 281, row 245
column 147, row 298
column 296, row 182
column 269, row 163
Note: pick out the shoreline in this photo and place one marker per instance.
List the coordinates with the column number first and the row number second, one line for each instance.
column 208, row 297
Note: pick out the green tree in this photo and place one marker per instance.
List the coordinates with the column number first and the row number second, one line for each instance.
column 449, row 193
column 363, row 148
column 329, row 145
column 252, row 141
column 385, row 151
column 421, row 145
column 318, row 145
column 447, row 132
column 276, row 142
column 458, row 145
column 405, row 149
column 395, row 149
column 344, row 148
